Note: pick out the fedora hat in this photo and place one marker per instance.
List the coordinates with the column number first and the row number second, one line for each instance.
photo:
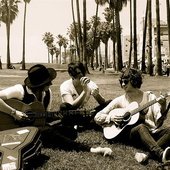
column 39, row 75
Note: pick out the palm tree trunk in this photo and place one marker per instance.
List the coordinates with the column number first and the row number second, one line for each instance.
column 150, row 64
column 84, row 36
column 143, row 67
column 94, row 35
column 130, row 49
column 75, row 30
column 8, row 46
column 100, row 56
column 8, row 37
column 114, row 50
column 60, row 56
column 158, row 41
column 97, row 58
column 135, row 35
column 106, row 55
column 118, row 37
column 48, row 55
column 23, row 52
column 168, row 21
column 79, row 31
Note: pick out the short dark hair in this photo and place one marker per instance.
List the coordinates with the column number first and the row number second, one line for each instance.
column 134, row 76
column 73, row 66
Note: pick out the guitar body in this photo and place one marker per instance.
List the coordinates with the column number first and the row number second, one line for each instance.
column 8, row 122
column 111, row 130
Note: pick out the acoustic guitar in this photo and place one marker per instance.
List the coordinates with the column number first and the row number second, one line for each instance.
column 37, row 115
column 130, row 117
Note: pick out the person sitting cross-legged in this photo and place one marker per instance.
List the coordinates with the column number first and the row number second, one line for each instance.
column 75, row 94
column 147, row 130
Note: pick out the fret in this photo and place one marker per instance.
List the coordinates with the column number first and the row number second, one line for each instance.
column 147, row 105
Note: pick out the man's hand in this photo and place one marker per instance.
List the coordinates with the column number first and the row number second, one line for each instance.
column 84, row 81
column 20, row 115
column 117, row 119
column 100, row 118
column 95, row 92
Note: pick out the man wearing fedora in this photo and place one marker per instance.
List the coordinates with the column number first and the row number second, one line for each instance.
column 36, row 87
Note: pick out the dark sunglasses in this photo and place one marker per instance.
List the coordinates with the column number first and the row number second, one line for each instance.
column 125, row 81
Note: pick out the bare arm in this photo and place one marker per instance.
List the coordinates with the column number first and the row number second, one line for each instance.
column 99, row 98
column 78, row 101
column 11, row 92
column 11, row 111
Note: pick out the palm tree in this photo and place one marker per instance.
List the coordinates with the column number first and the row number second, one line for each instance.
column 143, row 66
column 168, row 21
column 95, row 24
column 9, row 12
column 95, row 40
column 72, row 51
column 84, row 36
column 105, row 33
column 118, row 5
column 79, row 31
column 65, row 43
column 23, row 53
column 158, row 41
column 73, row 37
column 135, row 65
column 75, row 30
column 52, row 51
column 48, row 40
column 130, row 49
column 150, row 64
column 60, row 43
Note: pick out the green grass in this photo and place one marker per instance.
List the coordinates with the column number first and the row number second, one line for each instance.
column 123, row 156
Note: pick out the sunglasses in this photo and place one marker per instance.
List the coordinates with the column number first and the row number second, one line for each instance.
column 125, row 81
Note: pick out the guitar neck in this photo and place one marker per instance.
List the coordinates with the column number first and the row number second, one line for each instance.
column 59, row 114
column 145, row 106
column 42, row 114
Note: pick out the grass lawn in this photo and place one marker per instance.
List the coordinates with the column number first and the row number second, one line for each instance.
column 123, row 156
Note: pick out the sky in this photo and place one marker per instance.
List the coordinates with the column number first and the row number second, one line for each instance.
column 54, row 16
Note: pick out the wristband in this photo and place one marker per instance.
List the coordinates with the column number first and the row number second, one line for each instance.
column 13, row 112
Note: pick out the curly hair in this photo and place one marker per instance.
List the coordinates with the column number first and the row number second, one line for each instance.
column 133, row 75
column 72, row 68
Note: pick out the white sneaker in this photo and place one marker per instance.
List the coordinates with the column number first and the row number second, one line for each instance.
column 105, row 151
column 141, row 157
column 166, row 155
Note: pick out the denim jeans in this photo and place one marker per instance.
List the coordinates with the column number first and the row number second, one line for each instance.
column 155, row 143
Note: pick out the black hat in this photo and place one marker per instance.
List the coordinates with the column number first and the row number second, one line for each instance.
column 39, row 75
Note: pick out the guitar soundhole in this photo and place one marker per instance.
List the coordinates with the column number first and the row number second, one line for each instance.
column 126, row 117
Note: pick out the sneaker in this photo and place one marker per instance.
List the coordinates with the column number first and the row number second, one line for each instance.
column 166, row 155
column 105, row 151
column 141, row 157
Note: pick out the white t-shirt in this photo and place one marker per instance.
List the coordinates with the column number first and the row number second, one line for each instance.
column 67, row 87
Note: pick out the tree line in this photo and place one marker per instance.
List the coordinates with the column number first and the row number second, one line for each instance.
column 85, row 36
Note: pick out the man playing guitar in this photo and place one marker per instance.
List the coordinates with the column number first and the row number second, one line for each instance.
column 145, row 128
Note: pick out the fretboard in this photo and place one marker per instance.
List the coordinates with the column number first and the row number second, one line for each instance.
column 145, row 106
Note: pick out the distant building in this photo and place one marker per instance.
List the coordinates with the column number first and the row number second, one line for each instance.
column 164, row 42
column 126, row 48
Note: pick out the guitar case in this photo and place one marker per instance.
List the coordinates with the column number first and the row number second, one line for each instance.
column 18, row 147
